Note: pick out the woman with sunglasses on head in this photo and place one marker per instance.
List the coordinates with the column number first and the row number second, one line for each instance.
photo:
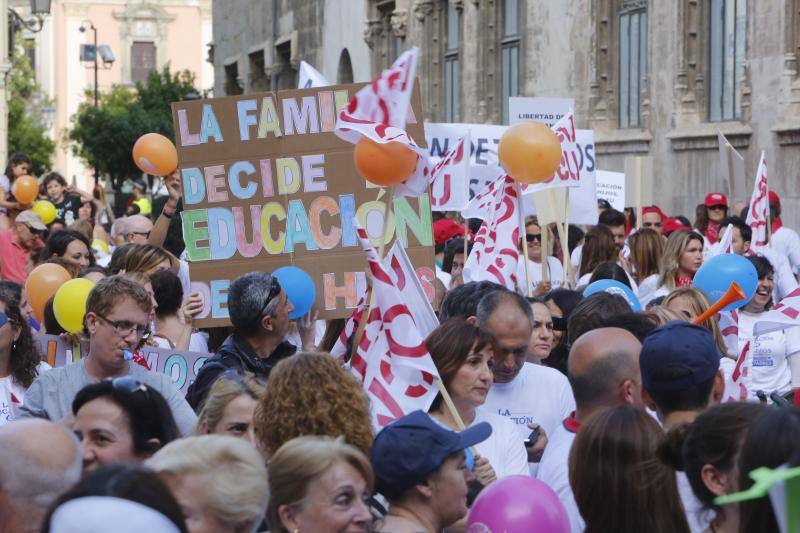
column 533, row 247
column 121, row 420
column 20, row 361
column 230, row 405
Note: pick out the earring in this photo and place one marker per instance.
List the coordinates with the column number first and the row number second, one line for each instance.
column 13, row 346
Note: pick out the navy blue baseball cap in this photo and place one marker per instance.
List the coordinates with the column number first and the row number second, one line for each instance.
column 409, row 449
column 678, row 355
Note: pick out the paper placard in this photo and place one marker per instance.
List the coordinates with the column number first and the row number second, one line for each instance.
column 534, row 109
column 181, row 366
column 267, row 183
column 611, row 187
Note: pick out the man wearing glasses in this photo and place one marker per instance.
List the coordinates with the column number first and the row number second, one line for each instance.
column 116, row 319
column 17, row 243
column 259, row 311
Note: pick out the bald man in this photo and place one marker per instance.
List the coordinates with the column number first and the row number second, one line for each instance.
column 39, row 460
column 137, row 229
column 603, row 371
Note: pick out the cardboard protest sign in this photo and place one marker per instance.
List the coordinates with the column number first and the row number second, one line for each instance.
column 583, row 199
column 611, row 187
column 267, row 183
column 545, row 110
column 181, row 366
column 732, row 165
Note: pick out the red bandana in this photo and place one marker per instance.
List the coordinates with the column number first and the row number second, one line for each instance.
column 776, row 224
column 712, row 232
column 682, row 281
column 571, row 423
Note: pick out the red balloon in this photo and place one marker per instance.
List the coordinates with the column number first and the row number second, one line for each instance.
column 384, row 163
column 155, row 154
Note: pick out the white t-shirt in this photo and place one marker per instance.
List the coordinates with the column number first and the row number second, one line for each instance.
column 786, row 241
column 785, row 282
column 11, row 395
column 556, row 272
column 198, row 342
column 698, row 518
column 554, row 470
column 538, row 395
column 444, row 277
column 769, row 366
column 647, row 289
column 503, row 449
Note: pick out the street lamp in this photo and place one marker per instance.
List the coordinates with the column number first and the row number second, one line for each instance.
column 94, row 53
column 39, row 9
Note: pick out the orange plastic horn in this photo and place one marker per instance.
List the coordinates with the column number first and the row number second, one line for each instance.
column 733, row 294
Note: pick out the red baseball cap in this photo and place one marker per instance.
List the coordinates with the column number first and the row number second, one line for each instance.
column 716, row 198
column 673, row 224
column 445, row 229
column 774, row 198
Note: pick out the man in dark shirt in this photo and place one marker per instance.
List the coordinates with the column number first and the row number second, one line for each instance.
column 259, row 311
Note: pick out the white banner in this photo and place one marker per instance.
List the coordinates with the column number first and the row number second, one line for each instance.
column 311, row 77
column 449, row 186
column 611, row 187
column 545, row 110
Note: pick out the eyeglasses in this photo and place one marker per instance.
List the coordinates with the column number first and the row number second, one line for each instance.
column 531, row 237
column 652, row 224
column 145, row 234
column 274, row 290
column 123, row 328
column 130, row 384
column 718, row 207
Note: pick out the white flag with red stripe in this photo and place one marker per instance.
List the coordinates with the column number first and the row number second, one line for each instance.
column 784, row 315
column 392, row 361
column 569, row 172
column 449, row 178
column 380, row 111
column 758, row 212
column 495, row 251
column 723, row 246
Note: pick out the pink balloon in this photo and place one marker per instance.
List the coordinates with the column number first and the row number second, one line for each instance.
column 517, row 504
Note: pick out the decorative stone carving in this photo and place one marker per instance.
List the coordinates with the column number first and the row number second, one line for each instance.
column 422, row 8
column 373, row 30
column 399, row 23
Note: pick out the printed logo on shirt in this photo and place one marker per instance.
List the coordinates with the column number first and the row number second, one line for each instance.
column 763, row 361
column 520, row 418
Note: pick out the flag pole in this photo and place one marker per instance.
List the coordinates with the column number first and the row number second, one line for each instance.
column 529, row 290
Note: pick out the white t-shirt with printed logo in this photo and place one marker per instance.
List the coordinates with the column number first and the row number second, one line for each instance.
column 769, row 353
column 538, row 395
column 11, row 394
column 503, row 449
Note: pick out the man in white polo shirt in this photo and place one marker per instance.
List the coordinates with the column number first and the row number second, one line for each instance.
column 532, row 396
column 603, row 372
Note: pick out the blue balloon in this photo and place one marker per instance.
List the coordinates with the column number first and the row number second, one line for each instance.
column 716, row 275
column 299, row 287
column 613, row 286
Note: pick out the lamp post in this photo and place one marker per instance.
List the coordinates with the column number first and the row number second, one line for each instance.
column 94, row 58
column 96, row 63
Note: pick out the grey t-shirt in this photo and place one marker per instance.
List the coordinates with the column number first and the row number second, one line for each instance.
column 51, row 394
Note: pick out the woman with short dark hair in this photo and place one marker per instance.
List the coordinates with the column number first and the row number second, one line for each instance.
column 121, row 420
column 71, row 246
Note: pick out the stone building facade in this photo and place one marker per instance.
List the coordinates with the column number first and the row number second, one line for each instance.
column 651, row 78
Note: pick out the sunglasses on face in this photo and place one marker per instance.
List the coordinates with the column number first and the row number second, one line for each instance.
column 533, row 237
column 718, row 207
column 652, row 224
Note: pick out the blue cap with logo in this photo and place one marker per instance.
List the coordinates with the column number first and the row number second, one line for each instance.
column 678, row 355
column 409, row 449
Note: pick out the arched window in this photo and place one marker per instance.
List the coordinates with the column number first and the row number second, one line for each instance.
column 727, row 26
column 345, row 72
column 632, row 61
column 452, row 64
column 509, row 53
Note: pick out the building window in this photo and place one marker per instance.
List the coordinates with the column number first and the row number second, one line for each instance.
column 452, row 67
column 727, row 27
column 509, row 54
column 259, row 81
column 632, row 61
column 345, row 70
column 143, row 60
column 232, row 84
column 287, row 75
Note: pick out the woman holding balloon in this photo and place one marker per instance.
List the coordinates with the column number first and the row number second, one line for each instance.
column 18, row 165
column 20, row 362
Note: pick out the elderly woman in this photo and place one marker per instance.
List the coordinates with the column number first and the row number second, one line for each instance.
column 230, row 405
column 219, row 481
column 310, row 394
column 319, row 484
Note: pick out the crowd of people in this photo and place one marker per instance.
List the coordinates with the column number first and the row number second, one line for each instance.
column 624, row 414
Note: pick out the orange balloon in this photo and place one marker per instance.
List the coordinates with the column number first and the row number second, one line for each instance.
column 42, row 284
column 155, row 154
column 25, row 189
column 530, row 152
column 384, row 163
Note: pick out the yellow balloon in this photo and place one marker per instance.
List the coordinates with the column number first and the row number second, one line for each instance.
column 100, row 244
column 46, row 210
column 69, row 304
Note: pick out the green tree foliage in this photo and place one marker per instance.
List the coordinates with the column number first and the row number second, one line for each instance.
column 26, row 132
column 104, row 136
